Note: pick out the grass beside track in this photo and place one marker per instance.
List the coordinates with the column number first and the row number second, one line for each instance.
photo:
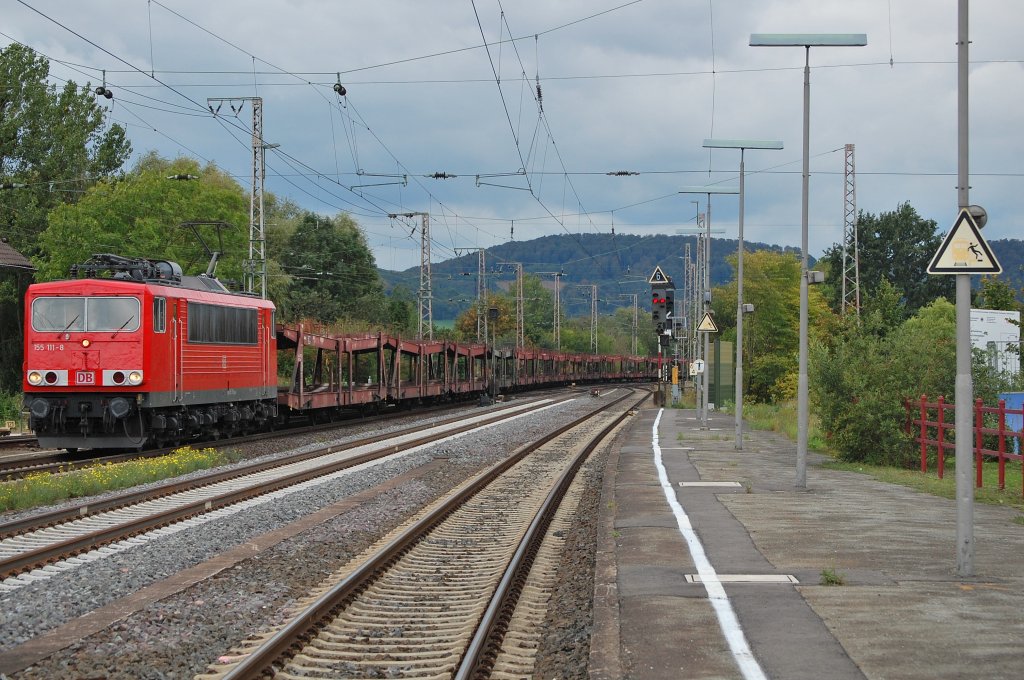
column 782, row 418
column 46, row 488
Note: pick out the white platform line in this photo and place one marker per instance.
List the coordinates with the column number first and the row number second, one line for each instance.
column 747, row 578
column 727, row 620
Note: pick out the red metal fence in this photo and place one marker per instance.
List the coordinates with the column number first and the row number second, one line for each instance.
column 935, row 420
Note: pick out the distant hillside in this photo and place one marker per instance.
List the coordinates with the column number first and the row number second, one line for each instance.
column 617, row 264
column 1010, row 253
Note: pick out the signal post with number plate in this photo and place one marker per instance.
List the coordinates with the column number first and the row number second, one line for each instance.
column 663, row 316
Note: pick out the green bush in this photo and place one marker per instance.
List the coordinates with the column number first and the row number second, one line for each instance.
column 861, row 374
column 10, row 406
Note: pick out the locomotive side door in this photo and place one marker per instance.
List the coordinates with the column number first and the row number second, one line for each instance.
column 264, row 349
column 177, row 340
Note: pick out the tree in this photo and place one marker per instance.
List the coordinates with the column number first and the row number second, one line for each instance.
column 771, row 335
column 538, row 313
column 504, row 329
column 141, row 215
column 55, row 142
column 996, row 293
column 895, row 247
column 53, row 145
column 333, row 272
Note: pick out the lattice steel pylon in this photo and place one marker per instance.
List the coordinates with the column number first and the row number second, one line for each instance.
column 520, row 319
column 851, row 251
column 593, row 319
column 688, row 306
column 557, row 321
column 256, row 266
column 425, row 293
column 481, row 296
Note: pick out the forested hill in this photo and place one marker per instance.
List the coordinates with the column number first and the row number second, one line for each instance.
column 1010, row 253
column 616, row 263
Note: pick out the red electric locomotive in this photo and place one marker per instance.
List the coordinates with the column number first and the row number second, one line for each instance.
column 135, row 354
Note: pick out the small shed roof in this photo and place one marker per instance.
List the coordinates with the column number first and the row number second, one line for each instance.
column 9, row 257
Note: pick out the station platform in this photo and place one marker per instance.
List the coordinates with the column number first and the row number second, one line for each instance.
column 711, row 565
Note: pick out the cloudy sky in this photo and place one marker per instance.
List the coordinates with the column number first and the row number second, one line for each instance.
column 453, row 87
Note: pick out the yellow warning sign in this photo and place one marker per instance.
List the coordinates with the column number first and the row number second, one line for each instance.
column 964, row 251
column 707, row 324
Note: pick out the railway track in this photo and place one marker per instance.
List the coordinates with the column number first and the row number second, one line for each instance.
column 39, row 546
column 457, row 592
column 45, row 462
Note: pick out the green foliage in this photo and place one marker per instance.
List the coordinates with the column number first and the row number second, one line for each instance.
column 995, row 293
column 56, row 141
column 896, row 247
column 44, row 488
column 333, row 274
column 141, row 215
column 830, row 577
column 771, row 282
column 10, row 406
column 867, row 367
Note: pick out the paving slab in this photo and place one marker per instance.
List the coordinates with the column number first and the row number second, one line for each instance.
column 901, row 612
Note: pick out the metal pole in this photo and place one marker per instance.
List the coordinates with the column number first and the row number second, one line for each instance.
column 739, row 319
column 802, row 411
column 633, row 343
column 707, row 307
column 558, row 313
column 593, row 319
column 964, row 380
column 520, row 323
column 481, row 288
column 425, row 293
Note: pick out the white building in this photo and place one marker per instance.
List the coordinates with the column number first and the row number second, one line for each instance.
column 997, row 333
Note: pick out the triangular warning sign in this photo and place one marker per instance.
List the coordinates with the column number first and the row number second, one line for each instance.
column 964, row 251
column 658, row 277
column 707, row 324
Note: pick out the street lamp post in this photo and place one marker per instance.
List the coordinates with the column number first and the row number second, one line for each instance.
column 708, row 190
column 807, row 41
column 742, row 145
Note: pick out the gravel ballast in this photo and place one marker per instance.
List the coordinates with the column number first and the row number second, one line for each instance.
column 180, row 635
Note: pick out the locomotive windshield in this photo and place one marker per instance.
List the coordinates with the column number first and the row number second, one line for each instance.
column 76, row 314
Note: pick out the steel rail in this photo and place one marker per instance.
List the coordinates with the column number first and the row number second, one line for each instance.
column 486, row 643
column 45, row 554
column 88, row 508
column 260, row 660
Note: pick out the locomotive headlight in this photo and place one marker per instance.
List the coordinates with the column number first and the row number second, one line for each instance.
column 135, row 377
column 35, row 378
column 86, row 342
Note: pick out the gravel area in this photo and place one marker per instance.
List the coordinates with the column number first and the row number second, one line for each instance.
column 564, row 651
column 178, row 636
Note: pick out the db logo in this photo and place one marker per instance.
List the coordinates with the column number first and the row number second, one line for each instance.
column 85, row 378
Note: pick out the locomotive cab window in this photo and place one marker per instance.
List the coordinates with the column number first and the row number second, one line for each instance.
column 159, row 314
column 222, row 325
column 77, row 314
column 112, row 314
